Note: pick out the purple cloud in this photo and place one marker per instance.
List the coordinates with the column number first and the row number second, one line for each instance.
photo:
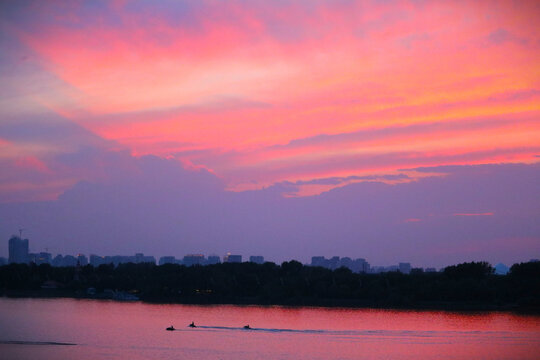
column 501, row 36
column 164, row 209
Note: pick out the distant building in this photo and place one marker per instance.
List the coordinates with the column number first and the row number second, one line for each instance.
column 256, row 259
column 404, row 268
column 18, row 250
column 382, row 269
column 194, row 259
column 213, row 259
column 3, row 261
column 346, row 262
column 356, row 265
column 334, row 262
column 96, row 260
column 319, row 261
column 69, row 260
column 364, row 265
column 167, row 260
column 232, row 258
column 360, row 266
column 43, row 258
column 57, row 261
column 82, row 259
column 119, row 259
column 32, row 258
column 139, row 258
column 149, row 259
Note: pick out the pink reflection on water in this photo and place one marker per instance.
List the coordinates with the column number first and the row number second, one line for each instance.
column 137, row 331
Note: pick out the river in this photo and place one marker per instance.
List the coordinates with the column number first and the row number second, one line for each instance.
column 94, row 329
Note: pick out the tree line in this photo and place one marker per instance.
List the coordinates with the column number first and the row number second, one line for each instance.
column 465, row 286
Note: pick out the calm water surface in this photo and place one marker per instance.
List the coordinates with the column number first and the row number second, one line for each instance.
column 115, row 330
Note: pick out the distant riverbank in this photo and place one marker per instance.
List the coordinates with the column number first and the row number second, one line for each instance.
column 295, row 302
column 465, row 287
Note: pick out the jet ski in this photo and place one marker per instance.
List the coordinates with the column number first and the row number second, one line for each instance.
column 247, row 327
column 170, row 328
column 192, row 325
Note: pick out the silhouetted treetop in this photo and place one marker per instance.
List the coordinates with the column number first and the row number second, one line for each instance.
column 526, row 270
column 469, row 270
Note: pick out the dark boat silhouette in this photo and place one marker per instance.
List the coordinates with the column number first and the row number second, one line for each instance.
column 170, row 328
column 247, row 327
column 192, row 325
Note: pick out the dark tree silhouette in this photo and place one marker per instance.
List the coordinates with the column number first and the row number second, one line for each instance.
column 464, row 286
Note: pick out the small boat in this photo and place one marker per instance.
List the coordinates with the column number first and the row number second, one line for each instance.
column 170, row 328
column 192, row 325
column 247, row 327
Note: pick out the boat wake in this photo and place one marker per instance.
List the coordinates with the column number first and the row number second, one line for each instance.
column 263, row 329
column 17, row 342
column 371, row 333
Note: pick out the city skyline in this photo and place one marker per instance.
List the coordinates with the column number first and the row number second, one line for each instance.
column 388, row 131
column 19, row 253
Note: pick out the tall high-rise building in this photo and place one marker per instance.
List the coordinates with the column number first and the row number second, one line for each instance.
column 18, row 250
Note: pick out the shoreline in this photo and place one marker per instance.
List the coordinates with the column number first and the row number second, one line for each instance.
column 469, row 307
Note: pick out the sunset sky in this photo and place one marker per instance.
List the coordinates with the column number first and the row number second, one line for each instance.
column 290, row 98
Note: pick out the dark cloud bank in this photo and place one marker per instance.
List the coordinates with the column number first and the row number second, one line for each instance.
column 157, row 207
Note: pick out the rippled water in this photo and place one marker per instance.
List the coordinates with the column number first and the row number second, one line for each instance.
column 91, row 329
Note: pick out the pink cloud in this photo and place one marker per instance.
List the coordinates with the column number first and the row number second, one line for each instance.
column 475, row 214
column 31, row 163
column 268, row 92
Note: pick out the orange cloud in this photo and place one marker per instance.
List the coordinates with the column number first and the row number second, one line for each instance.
column 263, row 93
